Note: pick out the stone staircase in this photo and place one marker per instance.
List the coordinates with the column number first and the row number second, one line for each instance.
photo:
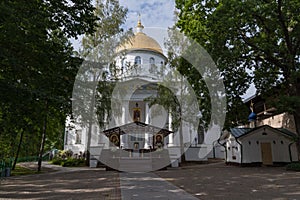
column 135, row 162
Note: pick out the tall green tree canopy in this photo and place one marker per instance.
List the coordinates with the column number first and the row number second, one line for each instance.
column 93, row 85
column 98, row 52
column 37, row 65
column 251, row 41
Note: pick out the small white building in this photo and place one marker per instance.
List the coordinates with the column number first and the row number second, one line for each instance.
column 261, row 145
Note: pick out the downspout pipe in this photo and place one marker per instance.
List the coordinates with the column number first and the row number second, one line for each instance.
column 290, row 151
column 241, row 150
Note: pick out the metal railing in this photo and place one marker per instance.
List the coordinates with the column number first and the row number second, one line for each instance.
column 5, row 167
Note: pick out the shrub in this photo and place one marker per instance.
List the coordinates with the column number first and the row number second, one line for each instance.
column 72, row 162
column 65, row 154
column 293, row 166
column 57, row 161
column 65, row 159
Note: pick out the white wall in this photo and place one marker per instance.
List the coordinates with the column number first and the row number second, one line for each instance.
column 279, row 145
column 251, row 150
column 233, row 150
column 70, row 137
column 143, row 70
column 283, row 120
column 219, row 151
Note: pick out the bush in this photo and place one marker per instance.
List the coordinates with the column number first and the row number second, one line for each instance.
column 57, row 161
column 293, row 166
column 65, row 154
column 65, row 159
column 72, row 162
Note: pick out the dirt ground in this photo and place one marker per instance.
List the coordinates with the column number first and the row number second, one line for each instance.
column 204, row 181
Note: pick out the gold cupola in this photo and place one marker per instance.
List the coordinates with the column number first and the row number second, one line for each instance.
column 140, row 41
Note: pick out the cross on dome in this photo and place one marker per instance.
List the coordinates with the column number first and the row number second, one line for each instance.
column 139, row 26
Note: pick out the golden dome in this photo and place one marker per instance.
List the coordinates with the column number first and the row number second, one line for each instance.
column 140, row 41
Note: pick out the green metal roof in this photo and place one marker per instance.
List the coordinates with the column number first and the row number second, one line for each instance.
column 239, row 132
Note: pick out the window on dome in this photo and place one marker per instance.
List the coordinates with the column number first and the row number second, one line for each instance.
column 138, row 60
column 123, row 62
column 153, row 68
column 152, row 61
column 123, row 65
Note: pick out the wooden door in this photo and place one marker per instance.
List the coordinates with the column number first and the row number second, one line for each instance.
column 266, row 154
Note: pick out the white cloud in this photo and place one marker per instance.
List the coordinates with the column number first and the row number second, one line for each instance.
column 154, row 13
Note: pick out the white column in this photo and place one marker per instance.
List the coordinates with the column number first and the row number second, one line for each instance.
column 147, row 120
column 122, row 143
column 146, row 146
column 171, row 136
column 123, row 114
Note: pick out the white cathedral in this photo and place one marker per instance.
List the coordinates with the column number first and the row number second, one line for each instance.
column 140, row 129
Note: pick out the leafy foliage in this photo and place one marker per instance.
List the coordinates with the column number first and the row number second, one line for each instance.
column 38, row 70
column 65, row 159
column 293, row 166
column 168, row 100
column 251, row 41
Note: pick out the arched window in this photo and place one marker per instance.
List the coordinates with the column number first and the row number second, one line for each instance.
column 152, row 61
column 138, row 60
column 153, row 68
column 78, row 134
column 123, row 63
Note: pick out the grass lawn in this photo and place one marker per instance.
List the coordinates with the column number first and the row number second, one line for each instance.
column 23, row 171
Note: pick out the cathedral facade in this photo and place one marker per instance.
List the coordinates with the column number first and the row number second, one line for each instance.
column 138, row 127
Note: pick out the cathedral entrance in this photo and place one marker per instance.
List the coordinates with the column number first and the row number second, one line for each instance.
column 137, row 137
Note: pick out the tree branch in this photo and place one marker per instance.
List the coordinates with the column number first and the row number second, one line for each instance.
column 284, row 28
column 269, row 57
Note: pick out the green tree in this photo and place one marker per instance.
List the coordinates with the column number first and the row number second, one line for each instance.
column 37, row 63
column 98, row 51
column 252, row 40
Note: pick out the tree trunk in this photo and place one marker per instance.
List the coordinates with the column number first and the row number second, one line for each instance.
column 297, row 118
column 183, row 160
column 40, row 158
column 88, row 154
column 18, row 150
column 297, row 123
column 91, row 120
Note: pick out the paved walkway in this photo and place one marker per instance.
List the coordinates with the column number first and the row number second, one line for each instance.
column 78, row 183
column 218, row 181
column 197, row 181
column 89, row 183
column 144, row 186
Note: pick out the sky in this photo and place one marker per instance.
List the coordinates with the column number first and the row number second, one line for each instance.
column 154, row 13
